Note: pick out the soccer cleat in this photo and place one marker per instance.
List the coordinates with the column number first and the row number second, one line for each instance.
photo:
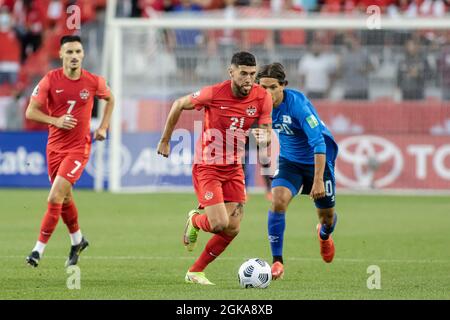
column 33, row 259
column 326, row 247
column 277, row 270
column 190, row 232
column 197, row 277
column 75, row 252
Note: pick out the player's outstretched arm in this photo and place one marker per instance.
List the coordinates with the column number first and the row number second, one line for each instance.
column 100, row 133
column 183, row 103
column 34, row 113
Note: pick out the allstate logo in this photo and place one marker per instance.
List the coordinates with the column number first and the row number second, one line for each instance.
column 368, row 161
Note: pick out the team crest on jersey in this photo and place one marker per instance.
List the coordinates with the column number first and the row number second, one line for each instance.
column 196, row 94
column 209, row 195
column 251, row 110
column 84, row 94
column 287, row 119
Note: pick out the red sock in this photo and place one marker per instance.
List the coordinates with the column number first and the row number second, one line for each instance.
column 69, row 215
column 50, row 221
column 215, row 246
column 201, row 221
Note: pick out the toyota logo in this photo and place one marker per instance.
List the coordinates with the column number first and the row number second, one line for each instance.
column 368, row 161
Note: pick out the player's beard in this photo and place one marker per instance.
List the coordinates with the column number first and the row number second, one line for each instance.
column 243, row 92
column 74, row 65
column 74, row 69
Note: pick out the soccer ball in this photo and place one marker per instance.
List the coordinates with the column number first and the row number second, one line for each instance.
column 255, row 273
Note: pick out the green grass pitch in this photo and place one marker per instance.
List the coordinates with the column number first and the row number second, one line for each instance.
column 136, row 250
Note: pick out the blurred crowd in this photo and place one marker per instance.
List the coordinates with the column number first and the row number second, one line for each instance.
column 322, row 60
column 413, row 63
column 30, row 32
column 410, row 8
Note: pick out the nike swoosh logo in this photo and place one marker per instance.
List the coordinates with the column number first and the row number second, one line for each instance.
column 59, row 91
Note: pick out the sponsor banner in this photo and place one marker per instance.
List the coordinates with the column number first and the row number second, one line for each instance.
column 365, row 161
column 23, row 161
column 142, row 166
column 385, row 117
column 393, row 161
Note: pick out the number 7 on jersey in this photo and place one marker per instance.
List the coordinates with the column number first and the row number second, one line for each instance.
column 71, row 106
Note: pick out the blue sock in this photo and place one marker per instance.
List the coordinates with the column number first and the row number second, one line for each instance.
column 325, row 230
column 276, row 226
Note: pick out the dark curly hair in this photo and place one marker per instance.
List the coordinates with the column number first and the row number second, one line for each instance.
column 243, row 59
column 274, row 70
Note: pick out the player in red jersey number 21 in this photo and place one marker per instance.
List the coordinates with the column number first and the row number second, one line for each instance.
column 230, row 109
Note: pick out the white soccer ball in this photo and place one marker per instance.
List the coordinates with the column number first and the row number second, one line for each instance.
column 255, row 273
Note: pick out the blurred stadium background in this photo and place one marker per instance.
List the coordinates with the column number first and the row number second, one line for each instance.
column 384, row 93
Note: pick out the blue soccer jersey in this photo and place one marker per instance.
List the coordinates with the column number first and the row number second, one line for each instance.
column 301, row 134
column 300, row 131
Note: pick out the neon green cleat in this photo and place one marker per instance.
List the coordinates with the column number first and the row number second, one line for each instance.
column 190, row 232
column 197, row 277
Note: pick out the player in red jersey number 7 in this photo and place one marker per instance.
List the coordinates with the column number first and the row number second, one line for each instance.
column 68, row 94
column 230, row 109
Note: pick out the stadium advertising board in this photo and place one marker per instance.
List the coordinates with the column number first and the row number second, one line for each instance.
column 23, row 163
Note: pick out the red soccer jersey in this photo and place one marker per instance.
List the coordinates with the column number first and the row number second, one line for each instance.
column 63, row 96
column 227, row 121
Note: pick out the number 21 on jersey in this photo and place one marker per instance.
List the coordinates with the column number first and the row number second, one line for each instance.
column 237, row 123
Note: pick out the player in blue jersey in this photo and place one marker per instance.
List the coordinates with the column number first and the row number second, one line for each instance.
column 306, row 163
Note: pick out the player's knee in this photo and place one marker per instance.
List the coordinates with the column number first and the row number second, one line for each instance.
column 67, row 199
column 233, row 227
column 326, row 216
column 232, row 231
column 218, row 228
column 218, row 224
column 55, row 197
column 280, row 201
column 279, row 204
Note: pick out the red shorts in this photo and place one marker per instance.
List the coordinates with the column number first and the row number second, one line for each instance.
column 70, row 166
column 217, row 184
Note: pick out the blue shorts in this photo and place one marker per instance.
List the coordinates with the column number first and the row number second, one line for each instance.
column 293, row 175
